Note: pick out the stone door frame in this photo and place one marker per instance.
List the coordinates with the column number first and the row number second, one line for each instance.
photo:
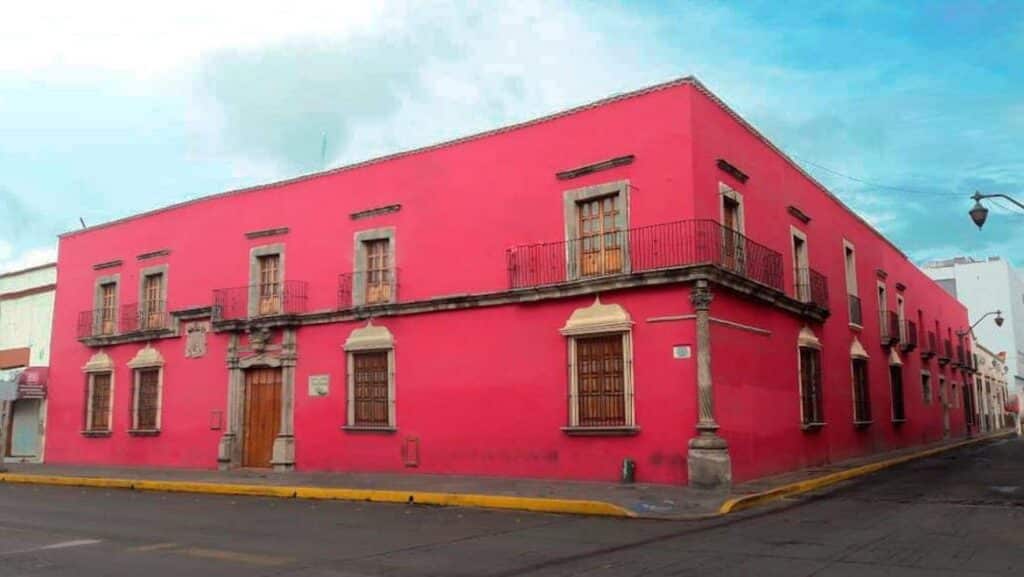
column 259, row 354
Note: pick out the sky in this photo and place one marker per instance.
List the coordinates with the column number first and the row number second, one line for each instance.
column 112, row 108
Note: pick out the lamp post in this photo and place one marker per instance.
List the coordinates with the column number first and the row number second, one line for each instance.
column 979, row 213
column 970, row 330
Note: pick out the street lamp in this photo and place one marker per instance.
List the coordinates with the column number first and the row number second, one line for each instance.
column 979, row 213
column 998, row 320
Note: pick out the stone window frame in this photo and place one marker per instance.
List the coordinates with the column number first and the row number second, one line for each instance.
column 926, row 387
column 360, row 239
column 808, row 340
column 901, row 311
column 851, row 283
column 883, row 305
column 255, row 253
column 369, row 339
column 147, row 358
column 571, row 200
column 726, row 191
column 896, row 362
column 97, row 301
column 99, row 364
column 859, row 354
column 161, row 270
column 798, row 280
column 600, row 319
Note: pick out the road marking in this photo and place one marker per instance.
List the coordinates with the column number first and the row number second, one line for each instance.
column 154, row 547
column 235, row 556
column 52, row 546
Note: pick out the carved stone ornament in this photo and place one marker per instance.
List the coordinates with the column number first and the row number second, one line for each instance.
column 146, row 357
column 597, row 318
column 99, row 363
column 195, row 339
column 370, row 337
column 258, row 340
column 701, row 298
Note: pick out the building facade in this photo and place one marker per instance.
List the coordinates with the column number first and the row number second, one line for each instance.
column 984, row 286
column 26, row 319
column 530, row 301
column 992, row 389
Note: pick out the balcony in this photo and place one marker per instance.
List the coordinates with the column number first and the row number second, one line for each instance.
column 130, row 319
column 889, row 325
column 908, row 336
column 259, row 301
column 929, row 349
column 661, row 246
column 812, row 287
column 149, row 316
column 855, row 310
column 946, row 353
column 961, row 358
column 367, row 288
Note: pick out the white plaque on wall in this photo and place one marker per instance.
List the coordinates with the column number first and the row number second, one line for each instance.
column 319, row 385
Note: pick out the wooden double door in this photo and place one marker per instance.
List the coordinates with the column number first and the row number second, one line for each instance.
column 262, row 420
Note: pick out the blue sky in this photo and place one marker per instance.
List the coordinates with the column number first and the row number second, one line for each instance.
column 110, row 108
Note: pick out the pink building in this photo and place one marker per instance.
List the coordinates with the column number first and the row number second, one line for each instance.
column 646, row 277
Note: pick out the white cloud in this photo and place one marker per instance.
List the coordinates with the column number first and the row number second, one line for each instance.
column 10, row 259
column 144, row 37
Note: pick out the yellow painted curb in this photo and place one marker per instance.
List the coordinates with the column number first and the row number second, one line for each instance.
column 535, row 504
column 98, row 482
column 214, row 488
column 747, row 501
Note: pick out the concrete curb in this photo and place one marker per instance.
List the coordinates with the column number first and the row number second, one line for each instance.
column 747, row 501
column 510, row 502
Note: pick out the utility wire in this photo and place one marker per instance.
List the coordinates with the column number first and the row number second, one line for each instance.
column 877, row 184
column 1008, row 211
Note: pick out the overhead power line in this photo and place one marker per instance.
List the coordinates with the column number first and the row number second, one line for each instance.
column 1007, row 210
column 878, row 184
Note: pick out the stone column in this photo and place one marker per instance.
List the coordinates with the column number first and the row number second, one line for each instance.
column 708, row 460
column 284, row 445
column 229, row 449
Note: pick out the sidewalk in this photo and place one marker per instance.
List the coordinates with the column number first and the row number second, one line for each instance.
column 587, row 498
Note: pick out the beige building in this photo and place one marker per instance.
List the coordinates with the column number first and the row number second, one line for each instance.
column 991, row 389
column 26, row 317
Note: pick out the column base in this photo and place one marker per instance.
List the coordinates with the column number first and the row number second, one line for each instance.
column 708, row 463
column 225, row 450
column 284, row 453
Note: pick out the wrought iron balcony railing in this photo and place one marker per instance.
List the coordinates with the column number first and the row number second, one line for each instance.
column 660, row 246
column 146, row 316
column 855, row 310
column 946, row 352
column 889, row 323
column 812, row 286
column 128, row 319
column 961, row 358
column 260, row 300
column 366, row 288
column 929, row 349
column 908, row 336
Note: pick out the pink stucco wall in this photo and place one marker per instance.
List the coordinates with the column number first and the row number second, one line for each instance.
column 484, row 390
column 755, row 375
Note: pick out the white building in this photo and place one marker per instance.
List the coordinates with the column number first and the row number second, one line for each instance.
column 984, row 286
column 26, row 317
column 990, row 389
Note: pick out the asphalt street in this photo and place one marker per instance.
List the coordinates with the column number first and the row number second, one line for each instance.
column 957, row 514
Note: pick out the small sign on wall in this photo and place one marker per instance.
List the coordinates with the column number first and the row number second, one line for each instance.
column 319, row 385
column 681, row 352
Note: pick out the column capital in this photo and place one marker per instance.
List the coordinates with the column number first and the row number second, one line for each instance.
column 700, row 296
